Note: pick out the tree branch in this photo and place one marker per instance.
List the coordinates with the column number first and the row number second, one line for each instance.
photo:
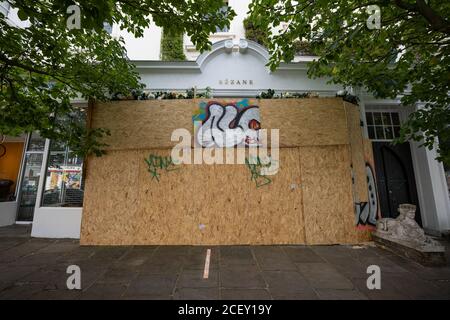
column 436, row 22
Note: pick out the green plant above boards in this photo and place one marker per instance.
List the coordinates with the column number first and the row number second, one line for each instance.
column 346, row 96
column 270, row 94
column 191, row 93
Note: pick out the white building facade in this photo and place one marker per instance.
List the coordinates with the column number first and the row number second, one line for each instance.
column 48, row 189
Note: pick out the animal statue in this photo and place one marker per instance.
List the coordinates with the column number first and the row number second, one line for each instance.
column 226, row 126
column 404, row 228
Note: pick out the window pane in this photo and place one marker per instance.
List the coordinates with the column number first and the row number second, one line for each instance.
column 63, row 185
column 371, row 131
column 369, row 118
column 63, row 179
column 29, row 186
column 396, row 131
column 379, row 132
column 377, row 118
column 395, row 119
column 36, row 142
column 387, row 119
column 388, row 133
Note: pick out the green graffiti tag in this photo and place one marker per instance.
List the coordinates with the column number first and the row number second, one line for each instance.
column 156, row 163
column 255, row 165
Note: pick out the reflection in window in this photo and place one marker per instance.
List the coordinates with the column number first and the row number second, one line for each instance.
column 29, row 186
column 63, row 180
column 63, row 186
column 36, row 142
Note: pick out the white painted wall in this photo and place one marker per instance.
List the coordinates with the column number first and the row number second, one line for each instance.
column 57, row 222
column 8, row 212
column 147, row 47
column 212, row 69
column 236, row 30
column 241, row 9
column 432, row 190
column 14, row 19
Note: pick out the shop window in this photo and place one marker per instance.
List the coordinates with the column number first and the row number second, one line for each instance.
column 30, row 177
column 11, row 150
column 63, row 182
column 383, row 125
column 63, row 178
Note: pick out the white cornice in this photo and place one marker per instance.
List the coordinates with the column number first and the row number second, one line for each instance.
column 218, row 47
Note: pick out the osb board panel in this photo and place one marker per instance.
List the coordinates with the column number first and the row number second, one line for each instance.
column 123, row 205
column 138, row 124
column 149, row 124
column 327, row 196
column 110, row 195
column 357, row 153
column 306, row 122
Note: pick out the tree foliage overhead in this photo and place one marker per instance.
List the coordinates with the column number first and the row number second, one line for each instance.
column 408, row 57
column 46, row 65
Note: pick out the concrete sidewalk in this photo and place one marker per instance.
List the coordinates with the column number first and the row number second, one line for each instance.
column 36, row 269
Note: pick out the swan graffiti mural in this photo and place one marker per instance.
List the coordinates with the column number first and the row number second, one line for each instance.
column 367, row 212
column 227, row 125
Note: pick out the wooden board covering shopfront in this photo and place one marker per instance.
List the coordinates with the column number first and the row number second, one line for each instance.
column 311, row 200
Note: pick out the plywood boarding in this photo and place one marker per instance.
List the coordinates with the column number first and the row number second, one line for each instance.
column 142, row 124
column 110, row 199
column 327, row 196
column 123, row 205
column 357, row 153
column 149, row 124
column 306, row 122
column 309, row 201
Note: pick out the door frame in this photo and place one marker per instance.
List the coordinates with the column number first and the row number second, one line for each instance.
column 403, row 113
column 21, row 175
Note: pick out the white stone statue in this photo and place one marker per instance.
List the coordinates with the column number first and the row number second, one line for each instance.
column 404, row 229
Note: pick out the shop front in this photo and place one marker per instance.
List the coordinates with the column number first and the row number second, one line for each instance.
column 45, row 186
column 120, row 202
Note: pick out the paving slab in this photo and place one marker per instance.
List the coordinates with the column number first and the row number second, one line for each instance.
column 272, row 258
column 194, row 279
column 152, row 284
column 36, row 269
column 241, row 278
column 324, row 276
column 284, row 283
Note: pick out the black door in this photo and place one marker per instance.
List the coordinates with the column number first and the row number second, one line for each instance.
column 395, row 178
